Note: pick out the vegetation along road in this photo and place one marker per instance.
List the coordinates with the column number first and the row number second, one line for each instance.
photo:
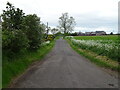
column 64, row 68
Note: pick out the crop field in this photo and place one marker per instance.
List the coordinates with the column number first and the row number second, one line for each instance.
column 105, row 37
column 102, row 45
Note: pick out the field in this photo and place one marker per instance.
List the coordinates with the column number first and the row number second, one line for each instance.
column 105, row 37
column 102, row 45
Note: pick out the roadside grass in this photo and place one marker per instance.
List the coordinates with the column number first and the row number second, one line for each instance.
column 102, row 61
column 14, row 68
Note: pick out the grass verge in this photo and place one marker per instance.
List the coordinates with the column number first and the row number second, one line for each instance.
column 102, row 61
column 12, row 69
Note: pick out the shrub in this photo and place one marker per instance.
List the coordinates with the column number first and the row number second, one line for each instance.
column 14, row 41
column 33, row 30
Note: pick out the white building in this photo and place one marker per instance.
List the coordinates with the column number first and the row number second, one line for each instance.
column 100, row 33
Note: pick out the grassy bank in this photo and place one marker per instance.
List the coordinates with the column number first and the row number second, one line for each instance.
column 102, row 61
column 14, row 68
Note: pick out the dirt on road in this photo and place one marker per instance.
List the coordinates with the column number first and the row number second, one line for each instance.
column 64, row 68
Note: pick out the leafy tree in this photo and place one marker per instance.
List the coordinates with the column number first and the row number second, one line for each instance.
column 13, row 38
column 111, row 33
column 54, row 31
column 66, row 23
column 33, row 30
column 20, row 32
column 59, row 34
column 12, row 18
column 13, row 42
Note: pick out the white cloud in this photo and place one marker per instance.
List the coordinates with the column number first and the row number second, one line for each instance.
column 99, row 13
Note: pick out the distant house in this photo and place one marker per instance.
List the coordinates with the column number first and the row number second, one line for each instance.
column 92, row 33
column 100, row 33
column 97, row 33
column 87, row 33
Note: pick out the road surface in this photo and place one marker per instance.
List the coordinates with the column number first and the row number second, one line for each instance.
column 64, row 68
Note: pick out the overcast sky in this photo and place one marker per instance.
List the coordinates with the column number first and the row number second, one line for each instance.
column 90, row 15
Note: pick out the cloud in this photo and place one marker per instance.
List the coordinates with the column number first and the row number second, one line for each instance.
column 87, row 13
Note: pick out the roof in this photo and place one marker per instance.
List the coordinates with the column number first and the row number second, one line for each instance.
column 87, row 32
column 99, row 31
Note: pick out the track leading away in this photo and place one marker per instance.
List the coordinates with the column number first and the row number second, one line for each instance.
column 64, row 68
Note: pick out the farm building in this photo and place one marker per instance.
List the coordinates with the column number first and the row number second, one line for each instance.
column 100, row 33
column 87, row 33
column 96, row 33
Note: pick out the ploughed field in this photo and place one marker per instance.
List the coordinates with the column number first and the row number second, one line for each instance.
column 106, row 45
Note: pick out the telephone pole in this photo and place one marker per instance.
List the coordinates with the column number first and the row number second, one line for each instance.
column 0, row 23
column 47, row 31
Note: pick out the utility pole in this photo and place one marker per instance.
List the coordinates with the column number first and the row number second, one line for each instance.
column 47, row 31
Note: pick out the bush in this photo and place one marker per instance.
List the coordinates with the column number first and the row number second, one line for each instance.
column 14, row 41
column 33, row 30
column 20, row 32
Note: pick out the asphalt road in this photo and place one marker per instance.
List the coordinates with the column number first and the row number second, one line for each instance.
column 64, row 68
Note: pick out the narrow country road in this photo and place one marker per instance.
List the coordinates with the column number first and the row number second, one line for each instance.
column 64, row 68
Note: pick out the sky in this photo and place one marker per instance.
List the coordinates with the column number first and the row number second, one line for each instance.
column 90, row 15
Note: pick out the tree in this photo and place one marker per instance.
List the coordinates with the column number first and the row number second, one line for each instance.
column 54, row 31
column 111, row 33
column 12, row 18
column 33, row 30
column 58, row 34
column 66, row 23
column 20, row 32
column 13, row 38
